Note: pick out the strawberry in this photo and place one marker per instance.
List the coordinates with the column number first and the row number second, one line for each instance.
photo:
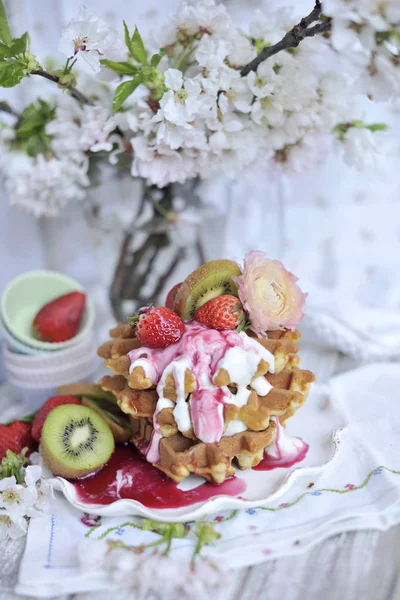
column 15, row 437
column 47, row 407
column 170, row 301
column 157, row 327
column 222, row 312
column 59, row 320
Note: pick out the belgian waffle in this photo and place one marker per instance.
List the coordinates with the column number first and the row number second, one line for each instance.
column 181, row 454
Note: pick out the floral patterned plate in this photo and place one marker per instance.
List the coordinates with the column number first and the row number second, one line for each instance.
column 319, row 422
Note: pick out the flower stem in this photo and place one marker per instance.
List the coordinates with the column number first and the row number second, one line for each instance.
column 184, row 56
column 293, row 37
column 74, row 92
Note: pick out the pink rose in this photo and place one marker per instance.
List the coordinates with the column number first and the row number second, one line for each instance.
column 269, row 294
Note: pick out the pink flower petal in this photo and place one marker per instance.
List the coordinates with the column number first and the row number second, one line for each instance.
column 269, row 294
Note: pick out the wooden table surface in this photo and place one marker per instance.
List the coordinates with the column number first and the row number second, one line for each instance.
column 363, row 565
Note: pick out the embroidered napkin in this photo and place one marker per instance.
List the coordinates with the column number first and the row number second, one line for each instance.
column 360, row 489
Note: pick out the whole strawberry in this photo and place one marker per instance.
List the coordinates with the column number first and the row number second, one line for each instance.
column 47, row 407
column 222, row 312
column 15, row 437
column 59, row 320
column 170, row 301
column 157, row 327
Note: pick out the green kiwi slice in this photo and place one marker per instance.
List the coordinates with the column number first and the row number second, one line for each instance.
column 75, row 441
column 113, row 416
column 212, row 279
column 92, row 390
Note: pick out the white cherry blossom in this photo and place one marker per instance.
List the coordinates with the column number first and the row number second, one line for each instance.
column 363, row 148
column 88, row 37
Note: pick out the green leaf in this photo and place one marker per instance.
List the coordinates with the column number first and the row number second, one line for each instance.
column 18, row 45
column 377, row 127
column 155, row 59
column 5, row 33
column 127, row 35
column 138, row 50
column 124, row 90
column 123, row 68
column 6, row 51
column 34, row 120
column 11, row 73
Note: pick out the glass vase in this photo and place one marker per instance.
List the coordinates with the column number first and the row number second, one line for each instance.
column 160, row 247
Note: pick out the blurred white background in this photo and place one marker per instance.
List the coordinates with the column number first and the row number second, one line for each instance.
column 341, row 228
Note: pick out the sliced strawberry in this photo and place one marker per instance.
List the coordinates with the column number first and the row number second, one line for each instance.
column 47, row 407
column 59, row 320
column 170, row 301
column 222, row 312
column 16, row 437
column 158, row 327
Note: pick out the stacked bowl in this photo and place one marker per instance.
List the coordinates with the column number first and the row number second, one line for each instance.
column 34, row 367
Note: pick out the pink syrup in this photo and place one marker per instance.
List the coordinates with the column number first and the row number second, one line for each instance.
column 203, row 351
column 129, row 475
column 285, row 452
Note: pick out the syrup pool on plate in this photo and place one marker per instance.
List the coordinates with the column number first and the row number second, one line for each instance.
column 129, row 475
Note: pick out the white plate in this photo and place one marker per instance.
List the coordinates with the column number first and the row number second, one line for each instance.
column 319, row 422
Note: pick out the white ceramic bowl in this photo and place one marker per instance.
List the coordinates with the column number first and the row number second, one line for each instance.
column 49, row 359
column 15, row 345
column 55, row 375
column 25, row 295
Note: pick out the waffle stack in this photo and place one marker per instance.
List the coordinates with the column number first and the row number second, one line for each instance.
column 182, row 453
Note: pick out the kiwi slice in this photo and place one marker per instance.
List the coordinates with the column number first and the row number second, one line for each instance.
column 91, row 390
column 212, row 279
column 113, row 416
column 75, row 441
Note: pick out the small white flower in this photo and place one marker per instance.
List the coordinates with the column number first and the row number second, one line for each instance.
column 180, row 103
column 203, row 16
column 15, row 498
column 43, row 186
column 159, row 165
column 211, row 54
column 259, row 85
column 269, row 111
column 363, row 148
column 242, row 51
column 12, row 528
column 88, row 37
column 381, row 81
column 126, row 568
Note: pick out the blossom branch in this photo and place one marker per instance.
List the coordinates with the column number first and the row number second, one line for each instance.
column 74, row 92
column 293, row 37
column 5, row 107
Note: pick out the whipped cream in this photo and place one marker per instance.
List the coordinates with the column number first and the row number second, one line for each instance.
column 203, row 352
column 284, row 447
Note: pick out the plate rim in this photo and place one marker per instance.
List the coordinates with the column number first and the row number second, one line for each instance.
column 129, row 507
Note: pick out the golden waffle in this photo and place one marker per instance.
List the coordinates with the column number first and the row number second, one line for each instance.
column 180, row 456
column 295, row 380
column 115, row 352
column 290, row 392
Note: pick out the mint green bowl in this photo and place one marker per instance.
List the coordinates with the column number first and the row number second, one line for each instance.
column 25, row 295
